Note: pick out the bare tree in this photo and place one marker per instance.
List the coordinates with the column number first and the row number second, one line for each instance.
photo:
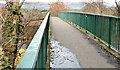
column 117, row 8
column 98, row 4
column 58, row 7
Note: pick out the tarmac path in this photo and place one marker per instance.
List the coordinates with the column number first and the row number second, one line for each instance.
column 72, row 38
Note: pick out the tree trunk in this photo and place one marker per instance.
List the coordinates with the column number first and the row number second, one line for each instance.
column 15, row 34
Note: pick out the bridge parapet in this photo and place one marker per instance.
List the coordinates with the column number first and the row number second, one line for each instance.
column 106, row 28
column 36, row 53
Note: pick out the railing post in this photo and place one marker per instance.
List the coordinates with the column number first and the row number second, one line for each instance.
column 109, row 39
column 95, row 27
column 118, row 34
column 86, row 22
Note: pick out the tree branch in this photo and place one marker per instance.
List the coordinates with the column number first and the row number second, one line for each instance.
column 116, row 4
column 2, row 20
column 20, row 5
column 2, row 17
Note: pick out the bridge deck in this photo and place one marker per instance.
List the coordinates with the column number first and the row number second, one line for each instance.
column 88, row 55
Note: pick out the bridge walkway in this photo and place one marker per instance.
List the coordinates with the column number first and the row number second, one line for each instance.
column 87, row 53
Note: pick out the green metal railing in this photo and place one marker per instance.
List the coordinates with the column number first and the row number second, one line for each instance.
column 106, row 28
column 35, row 56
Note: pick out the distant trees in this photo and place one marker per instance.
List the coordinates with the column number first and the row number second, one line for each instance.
column 98, row 4
column 58, row 6
column 99, row 7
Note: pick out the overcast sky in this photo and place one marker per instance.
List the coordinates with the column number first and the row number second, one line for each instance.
column 110, row 2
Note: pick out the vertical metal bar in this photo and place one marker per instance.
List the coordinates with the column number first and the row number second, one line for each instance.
column 118, row 35
column 42, row 55
column 109, row 39
column 95, row 27
column 86, row 22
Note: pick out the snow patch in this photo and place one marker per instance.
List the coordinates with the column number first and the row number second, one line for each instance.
column 61, row 57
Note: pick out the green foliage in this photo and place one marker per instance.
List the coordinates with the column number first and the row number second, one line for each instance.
column 9, row 24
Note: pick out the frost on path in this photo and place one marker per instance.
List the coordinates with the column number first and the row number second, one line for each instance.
column 61, row 57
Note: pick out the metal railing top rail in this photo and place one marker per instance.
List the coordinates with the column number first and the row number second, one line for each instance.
column 29, row 58
column 95, row 14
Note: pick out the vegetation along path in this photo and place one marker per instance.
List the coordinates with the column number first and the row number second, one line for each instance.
column 88, row 55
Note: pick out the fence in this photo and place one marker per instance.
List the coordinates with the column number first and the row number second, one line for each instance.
column 35, row 56
column 106, row 28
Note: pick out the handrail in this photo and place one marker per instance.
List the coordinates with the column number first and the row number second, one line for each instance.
column 105, row 28
column 36, row 51
column 94, row 14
